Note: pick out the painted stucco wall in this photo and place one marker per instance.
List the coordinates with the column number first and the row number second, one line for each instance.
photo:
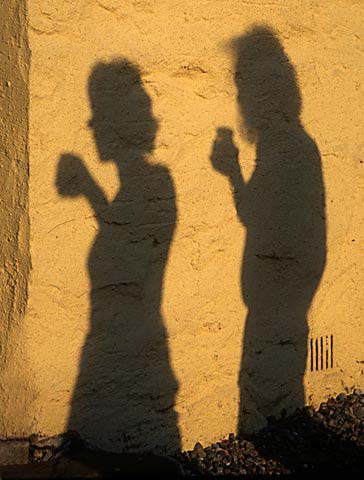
column 14, row 215
column 149, row 273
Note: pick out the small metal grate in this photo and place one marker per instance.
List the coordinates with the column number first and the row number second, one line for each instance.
column 322, row 353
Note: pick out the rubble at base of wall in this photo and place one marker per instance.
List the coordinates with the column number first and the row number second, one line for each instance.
column 68, row 456
column 326, row 439
column 36, row 448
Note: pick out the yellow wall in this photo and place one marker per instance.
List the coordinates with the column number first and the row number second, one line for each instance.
column 14, row 232
column 136, row 313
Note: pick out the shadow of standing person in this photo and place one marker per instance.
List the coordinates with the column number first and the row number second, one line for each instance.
column 125, row 392
column 282, row 207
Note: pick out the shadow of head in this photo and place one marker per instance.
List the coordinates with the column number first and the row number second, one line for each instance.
column 122, row 116
column 266, row 82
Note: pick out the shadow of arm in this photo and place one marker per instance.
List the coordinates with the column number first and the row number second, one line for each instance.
column 224, row 159
column 73, row 180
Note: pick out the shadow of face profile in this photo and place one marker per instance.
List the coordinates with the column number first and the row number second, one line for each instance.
column 122, row 116
column 266, row 83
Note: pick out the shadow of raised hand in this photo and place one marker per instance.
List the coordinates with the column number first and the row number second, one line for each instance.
column 225, row 159
column 224, row 154
column 73, row 180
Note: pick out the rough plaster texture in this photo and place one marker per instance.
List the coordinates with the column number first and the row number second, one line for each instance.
column 137, row 310
column 14, row 237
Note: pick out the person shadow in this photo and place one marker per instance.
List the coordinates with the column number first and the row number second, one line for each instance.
column 282, row 207
column 125, row 392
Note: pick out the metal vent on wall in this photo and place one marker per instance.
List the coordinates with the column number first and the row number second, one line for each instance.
column 322, row 353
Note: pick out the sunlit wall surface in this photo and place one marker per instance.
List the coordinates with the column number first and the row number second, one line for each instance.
column 196, row 194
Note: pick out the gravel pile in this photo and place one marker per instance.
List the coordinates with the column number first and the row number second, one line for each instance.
column 323, row 440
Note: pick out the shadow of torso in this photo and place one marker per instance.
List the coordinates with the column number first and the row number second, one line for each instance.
column 284, row 258
column 125, row 393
